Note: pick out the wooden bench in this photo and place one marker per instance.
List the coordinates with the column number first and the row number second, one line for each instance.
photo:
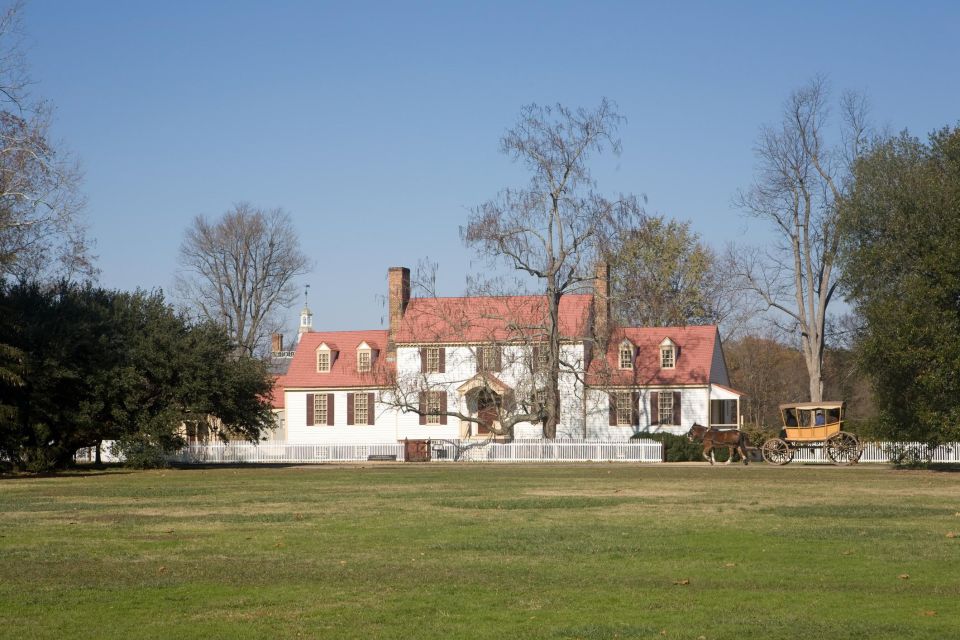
column 382, row 457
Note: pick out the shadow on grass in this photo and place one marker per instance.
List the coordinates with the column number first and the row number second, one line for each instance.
column 945, row 467
column 72, row 472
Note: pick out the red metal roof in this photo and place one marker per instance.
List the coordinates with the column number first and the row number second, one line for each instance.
column 488, row 319
column 694, row 357
column 343, row 372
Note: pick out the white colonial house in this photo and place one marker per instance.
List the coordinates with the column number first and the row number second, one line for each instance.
column 473, row 355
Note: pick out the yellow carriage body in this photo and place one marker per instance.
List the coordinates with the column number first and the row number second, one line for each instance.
column 811, row 421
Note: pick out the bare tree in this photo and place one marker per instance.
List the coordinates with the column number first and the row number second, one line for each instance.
column 551, row 230
column 240, row 270
column 40, row 230
column 801, row 182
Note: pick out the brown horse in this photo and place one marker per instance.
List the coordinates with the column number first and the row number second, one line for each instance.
column 732, row 439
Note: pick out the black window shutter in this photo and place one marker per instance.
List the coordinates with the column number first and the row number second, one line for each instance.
column 654, row 407
column 309, row 409
column 676, row 408
column 371, row 414
column 423, row 407
column 350, row 408
column 635, row 408
column 443, row 407
column 443, row 359
column 613, row 409
column 330, row 409
column 423, row 359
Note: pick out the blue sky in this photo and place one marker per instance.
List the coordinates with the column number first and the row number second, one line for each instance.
column 376, row 125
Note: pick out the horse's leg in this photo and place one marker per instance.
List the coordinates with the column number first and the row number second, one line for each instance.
column 729, row 455
column 743, row 453
column 708, row 451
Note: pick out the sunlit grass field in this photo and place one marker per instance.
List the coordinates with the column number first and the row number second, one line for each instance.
column 470, row 551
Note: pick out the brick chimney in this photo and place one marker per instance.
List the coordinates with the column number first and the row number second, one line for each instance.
column 601, row 303
column 277, row 342
column 398, row 281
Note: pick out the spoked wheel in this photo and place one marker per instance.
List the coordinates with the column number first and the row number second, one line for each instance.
column 844, row 448
column 777, row 451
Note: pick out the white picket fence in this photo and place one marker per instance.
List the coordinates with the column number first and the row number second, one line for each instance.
column 441, row 450
column 572, row 450
column 881, row 452
column 235, row 452
column 567, row 450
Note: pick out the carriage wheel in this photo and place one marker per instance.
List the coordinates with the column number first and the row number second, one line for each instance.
column 844, row 448
column 777, row 451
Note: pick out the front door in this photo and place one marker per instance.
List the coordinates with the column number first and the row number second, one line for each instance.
column 486, row 411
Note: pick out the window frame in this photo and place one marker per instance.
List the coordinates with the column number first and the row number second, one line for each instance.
column 626, row 355
column 320, row 417
column 433, row 359
column 668, row 353
column 665, row 408
column 624, row 408
column 364, row 365
column 360, row 404
column 433, row 402
column 329, row 360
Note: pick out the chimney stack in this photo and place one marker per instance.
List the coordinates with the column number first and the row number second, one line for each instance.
column 398, row 281
column 601, row 303
column 277, row 342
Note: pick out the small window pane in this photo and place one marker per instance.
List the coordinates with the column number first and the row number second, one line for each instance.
column 320, row 409
column 666, row 358
column 626, row 357
column 433, row 407
column 360, row 408
column 624, row 408
column 666, row 407
column 363, row 361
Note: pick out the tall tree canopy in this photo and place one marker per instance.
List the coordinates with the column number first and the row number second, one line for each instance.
column 239, row 270
column 902, row 230
column 661, row 275
column 95, row 365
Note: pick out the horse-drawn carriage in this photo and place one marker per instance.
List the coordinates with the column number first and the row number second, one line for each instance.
column 813, row 425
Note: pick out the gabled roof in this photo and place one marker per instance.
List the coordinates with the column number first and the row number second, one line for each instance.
column 490, row 319
column 695, row 347
column 303, row 373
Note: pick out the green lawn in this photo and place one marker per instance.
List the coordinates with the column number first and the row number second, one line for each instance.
column 469, row 551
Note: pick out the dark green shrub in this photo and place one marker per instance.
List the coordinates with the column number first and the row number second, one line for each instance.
column 677, row 448
column 140, row 452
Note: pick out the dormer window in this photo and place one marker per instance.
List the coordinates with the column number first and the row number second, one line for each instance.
column 668, row 354
column 364, row 357
column 324, row 358
column 626, row 355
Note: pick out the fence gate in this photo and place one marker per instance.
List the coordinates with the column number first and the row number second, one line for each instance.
column 416, row 450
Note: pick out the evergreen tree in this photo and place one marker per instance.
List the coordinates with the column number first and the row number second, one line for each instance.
column 902, row 223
